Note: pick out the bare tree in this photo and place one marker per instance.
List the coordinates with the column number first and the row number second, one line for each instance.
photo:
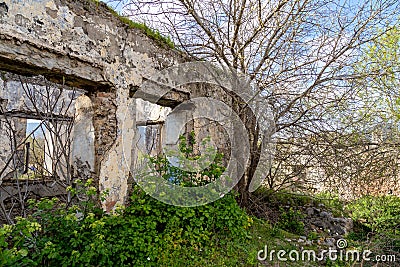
column 300, row 53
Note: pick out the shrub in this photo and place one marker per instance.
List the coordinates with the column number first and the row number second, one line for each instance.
column 381, row 213
column 377, row 220
column 136, row 235
column 332, row 202
column 290, row 220
column 141, row 234
column 211, row 160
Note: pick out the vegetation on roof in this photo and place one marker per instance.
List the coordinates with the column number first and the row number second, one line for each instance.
column 152, row 33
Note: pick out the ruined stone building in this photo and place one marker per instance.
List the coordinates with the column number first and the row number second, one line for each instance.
column 72, row 68
column 64, row 61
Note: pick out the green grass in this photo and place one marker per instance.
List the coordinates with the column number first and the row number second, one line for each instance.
column 228, row 252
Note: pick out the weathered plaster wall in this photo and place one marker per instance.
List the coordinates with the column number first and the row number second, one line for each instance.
column 83, row 145
column 78, row 42
column 29, row 95
column 11, row 162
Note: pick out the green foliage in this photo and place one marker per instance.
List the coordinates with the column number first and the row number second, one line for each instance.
column 145, row 233
column 194, row 226
column 360, row 232
column 381, row 60
column 381, row 214
column 332, row 202
column 55, row 234
column 312, row 236
column 139, row 235
column 187, row 178
column 377, row 223
column 290, row 220
column 383, row 56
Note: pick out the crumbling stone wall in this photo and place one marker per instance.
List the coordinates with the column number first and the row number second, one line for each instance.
column 80, row 43
column 105, row 124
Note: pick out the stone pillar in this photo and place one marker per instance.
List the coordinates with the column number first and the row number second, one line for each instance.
column 114, row 123
column 83, row 136
column 12, row 128
column 105, row 125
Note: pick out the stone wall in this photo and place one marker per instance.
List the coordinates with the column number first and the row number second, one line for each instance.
column 104, row 123
column 80, row 43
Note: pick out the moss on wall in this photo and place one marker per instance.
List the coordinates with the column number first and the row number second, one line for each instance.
column 153, row 34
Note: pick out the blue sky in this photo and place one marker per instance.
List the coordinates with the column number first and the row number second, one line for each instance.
column 116, row 5
column 32, row 125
